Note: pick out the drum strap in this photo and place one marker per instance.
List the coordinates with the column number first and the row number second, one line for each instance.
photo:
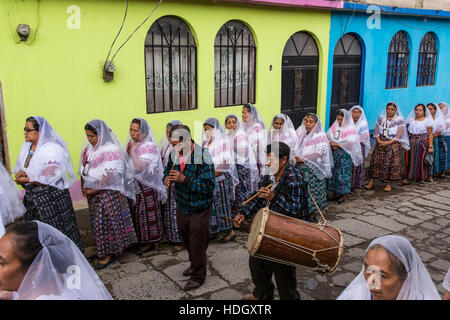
column 324, row 221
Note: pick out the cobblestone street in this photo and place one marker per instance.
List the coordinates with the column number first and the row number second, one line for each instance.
column 422, row 215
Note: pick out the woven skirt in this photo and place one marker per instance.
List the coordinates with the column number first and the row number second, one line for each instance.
column 110, row 217
column 386, row 162
column 221, row 207
column 170, row 218
column 415, row 167
column 340, row 183
column 147, row 215
column 54, row 207
column 317, row 187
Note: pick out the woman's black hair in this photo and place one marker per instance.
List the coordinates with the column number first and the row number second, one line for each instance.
column 90, row 128
column 136, row 121
column 26, row 241
column 248, row 107
column 423, row 106
column 391, row 104
column 34, row 122
column 432, row 104
column 311, row 115
column 339, row 113
column 283, row 149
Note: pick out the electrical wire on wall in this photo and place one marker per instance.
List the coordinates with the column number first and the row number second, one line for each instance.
column 105, row 66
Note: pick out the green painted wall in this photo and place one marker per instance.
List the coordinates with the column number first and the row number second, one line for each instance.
column 57, row 72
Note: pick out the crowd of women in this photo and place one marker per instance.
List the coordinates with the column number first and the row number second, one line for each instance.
column 130, row 207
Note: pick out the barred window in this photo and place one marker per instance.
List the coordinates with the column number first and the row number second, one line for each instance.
column 426, row 69
column 234, row 65
column 398, row 62
column 170, row 66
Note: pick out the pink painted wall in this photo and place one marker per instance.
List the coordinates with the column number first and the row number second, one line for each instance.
column 294, row 3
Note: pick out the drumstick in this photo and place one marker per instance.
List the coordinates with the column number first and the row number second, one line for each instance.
column 257, row 194
column 230, row 219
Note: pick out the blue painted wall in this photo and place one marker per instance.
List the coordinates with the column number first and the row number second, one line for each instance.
column 374, row 96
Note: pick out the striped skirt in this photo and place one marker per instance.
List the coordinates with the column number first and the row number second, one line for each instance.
column 110, row 217
column 221, row 207
column 244, row 186
column 147, row 216
column 386, row 162
column 54, row 207
column 358, row 172
column 170, row 218
column 447, row 141
column 440, row 148
column 317, row 187
column 415, row 168
column 340, row 183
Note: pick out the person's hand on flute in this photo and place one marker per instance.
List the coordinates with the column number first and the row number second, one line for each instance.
column 266, row 193
column 176, row 176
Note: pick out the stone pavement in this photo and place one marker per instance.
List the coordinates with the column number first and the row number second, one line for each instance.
column 422, row 215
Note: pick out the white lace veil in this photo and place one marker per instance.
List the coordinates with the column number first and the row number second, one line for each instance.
column 446, row 114
column 51, row 163
column 395, row 129
column 418, row 284
column 439, row 120
column 428, row 121
column 221, row 150
column 147, row 165
column 245, row 155
column 362, row 127
column 104, row 167
column 163, row 142
column 314, row 149
column 347, row 137
column 256, row 131
column 286, row 134
column 253, row 118
column 11, row 207
column 60, row 271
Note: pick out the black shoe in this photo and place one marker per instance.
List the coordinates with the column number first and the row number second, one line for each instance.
column 99, row 265
column 141, row 252
column 223, row 240
column 192, row 285
column 187, row 272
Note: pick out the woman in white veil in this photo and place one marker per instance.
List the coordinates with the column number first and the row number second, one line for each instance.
column 314, row 159
column 11, row 207
column 392, row 270
column 245, row 159
column 170, row 209
column 282, row 130
column 420, row 129
column 359, row 118
column 44, row 169
column 256, row 130
column 391, row 135
column 216, row 141
column 41, row 263
column 346, row 150
column 446, row 134
column 145, row 167
column 440, row 147
column 106, row 185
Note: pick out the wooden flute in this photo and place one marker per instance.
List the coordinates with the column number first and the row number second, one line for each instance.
column 253, row 197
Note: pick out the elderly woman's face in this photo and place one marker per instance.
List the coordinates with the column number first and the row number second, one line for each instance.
column 386, row 284
column 31, row 134
column 309, row 123
column 356, row 114
column 12, row 271
column 231, row 123
column 340, row 119
column 134, row 131
column 278, row 123
column 441, row 106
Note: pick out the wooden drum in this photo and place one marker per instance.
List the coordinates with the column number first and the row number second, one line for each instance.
column 294, row 242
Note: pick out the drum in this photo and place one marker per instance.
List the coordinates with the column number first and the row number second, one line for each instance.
column 295, row 242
